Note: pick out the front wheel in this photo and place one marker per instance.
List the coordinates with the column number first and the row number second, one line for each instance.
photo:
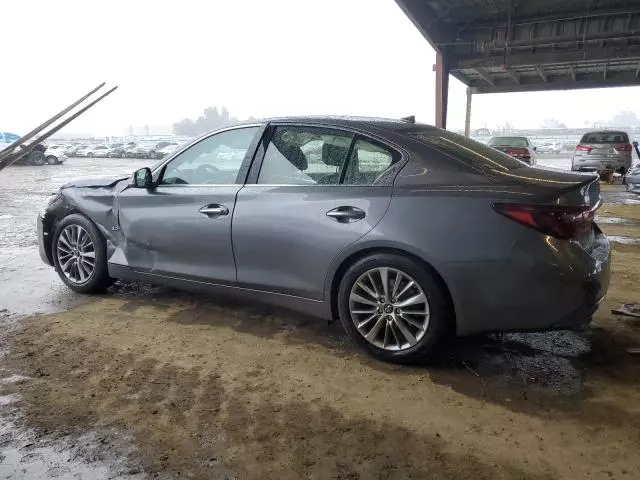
column 51, row 160
column 393, row 307
column 90, row 155
column 80, row 255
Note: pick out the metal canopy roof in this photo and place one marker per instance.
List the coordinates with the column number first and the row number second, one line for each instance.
column 528, row 45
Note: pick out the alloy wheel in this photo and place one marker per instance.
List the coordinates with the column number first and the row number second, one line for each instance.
column 76, row 254
column 389, row 308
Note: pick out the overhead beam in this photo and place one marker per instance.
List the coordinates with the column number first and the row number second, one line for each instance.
column 514, row 76
column 542, row 74
column 485, row 76
column 591, row 80
column 529, row 20
column 594, row 55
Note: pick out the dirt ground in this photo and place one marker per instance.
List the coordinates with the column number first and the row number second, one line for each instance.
column 209, row 389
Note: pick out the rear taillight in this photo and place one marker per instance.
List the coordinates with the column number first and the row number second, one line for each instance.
column 624, row 147
column 519, row 153
column 563, row 222
column 583, row 148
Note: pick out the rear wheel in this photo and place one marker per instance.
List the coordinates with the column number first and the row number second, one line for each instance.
column 393, row 307
column 80, row 255
column 36, row 157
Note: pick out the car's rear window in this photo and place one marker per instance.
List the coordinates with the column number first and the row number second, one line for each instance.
column 508, row 142
column 605, row 137
column 462, row 149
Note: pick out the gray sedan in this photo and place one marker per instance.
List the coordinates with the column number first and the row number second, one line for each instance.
column 405, row 232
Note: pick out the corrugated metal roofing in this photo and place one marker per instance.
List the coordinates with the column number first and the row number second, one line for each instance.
column 526, row 45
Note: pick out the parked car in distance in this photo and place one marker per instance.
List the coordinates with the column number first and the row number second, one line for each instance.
column 55, row 154
column 119, row 150
column 84, row 151
column 73, row 150
column 632, row 179
column 516, row 147
column 36, row 151
column 145, row 150
column 405, row 232
column 99, row 151
column 167, row 150
column 603, row 150
column 549, row 147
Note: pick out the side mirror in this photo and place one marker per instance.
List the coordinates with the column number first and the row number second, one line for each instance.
column 142, row 178
column 535, row 149
column 635, row 144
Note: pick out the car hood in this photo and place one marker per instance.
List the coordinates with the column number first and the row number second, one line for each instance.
column 95, row 182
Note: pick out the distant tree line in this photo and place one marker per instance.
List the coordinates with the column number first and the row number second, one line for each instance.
column 210, row 120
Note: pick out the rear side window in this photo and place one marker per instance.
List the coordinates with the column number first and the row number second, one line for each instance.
column 367, row 162
column 464, row 150
column 305, row 156
column 605, row 137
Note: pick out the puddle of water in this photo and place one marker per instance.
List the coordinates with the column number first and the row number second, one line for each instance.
column 614, row 220
column 14, row 379
column 8, row 399
column 624, row 240
column 26, row 457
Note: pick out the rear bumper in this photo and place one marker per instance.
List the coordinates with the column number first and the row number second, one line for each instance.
column 600, row 164
column 542, row 284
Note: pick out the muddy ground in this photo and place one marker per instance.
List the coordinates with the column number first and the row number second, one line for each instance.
column 147, row 382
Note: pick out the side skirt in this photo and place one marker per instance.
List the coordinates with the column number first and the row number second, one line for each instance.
column 315, row 308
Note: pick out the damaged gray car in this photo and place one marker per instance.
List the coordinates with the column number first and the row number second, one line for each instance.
column 404, row 231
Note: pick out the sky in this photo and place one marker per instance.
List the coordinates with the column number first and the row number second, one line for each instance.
column 171, row 59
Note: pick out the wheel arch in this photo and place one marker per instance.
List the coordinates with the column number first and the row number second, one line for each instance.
column 352, row 257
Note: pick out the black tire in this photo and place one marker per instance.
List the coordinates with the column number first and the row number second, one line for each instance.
column 36, row 157
column 99, row 280
column 51, row 160
column 439, row 306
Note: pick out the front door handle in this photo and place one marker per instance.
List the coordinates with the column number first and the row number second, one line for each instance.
column 214, row 210
column 346, row 214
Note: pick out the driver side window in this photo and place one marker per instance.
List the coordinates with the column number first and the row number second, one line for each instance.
column 215, row 160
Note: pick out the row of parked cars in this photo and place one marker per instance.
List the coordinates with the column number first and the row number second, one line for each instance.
column 155, row 150
column 598, row 151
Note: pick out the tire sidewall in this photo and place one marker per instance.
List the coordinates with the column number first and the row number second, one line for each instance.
column 438, row 306
column 51, row 160
column 99, row 278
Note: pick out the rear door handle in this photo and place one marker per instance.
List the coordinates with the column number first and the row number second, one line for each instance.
column 346, row 214
column 214, row 210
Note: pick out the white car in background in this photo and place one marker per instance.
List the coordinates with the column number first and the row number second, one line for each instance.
column 93, row 151
column 549, row 147
column 167, row 150
column 55, row 154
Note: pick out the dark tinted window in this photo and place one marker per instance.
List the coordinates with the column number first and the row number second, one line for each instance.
column 605, row 137
column 509, row 142
column 469, row 152
column 304, row 156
